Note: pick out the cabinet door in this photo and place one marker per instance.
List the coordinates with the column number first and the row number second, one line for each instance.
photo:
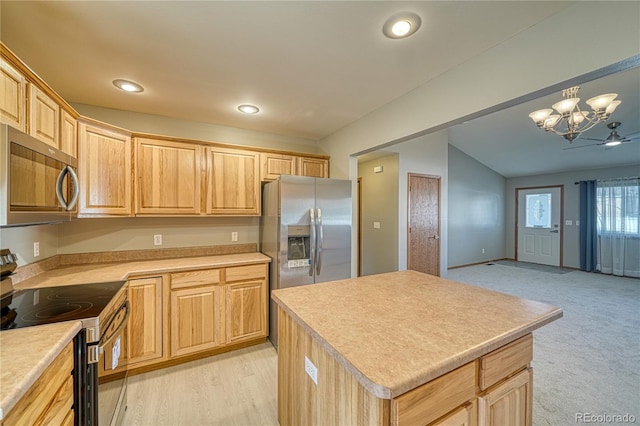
column 68, row 134
column 196, row 319
column 44, row 117
column 145, row 326
column 104, row 171
column 508, row 403
column 12, row 96
column 167, row 177
column 246, row 310
column 274, row 165
column 233, row 182
column 467, row 415
column 314, row 167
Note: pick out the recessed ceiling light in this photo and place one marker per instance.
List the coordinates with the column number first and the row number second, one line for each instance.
column 401, row 25
column 128, row 86
column 248, row 109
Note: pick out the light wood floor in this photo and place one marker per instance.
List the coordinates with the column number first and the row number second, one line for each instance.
column 235, row 388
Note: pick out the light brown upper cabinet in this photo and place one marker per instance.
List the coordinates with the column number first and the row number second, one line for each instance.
column 68, row 134
column 44, row 117
column 167, row 177
column 233, row 182
column 314, row 167
column 12, row 96
column 104, row 170
column 273, row 165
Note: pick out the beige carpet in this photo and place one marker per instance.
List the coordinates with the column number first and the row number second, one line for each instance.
column 586, row 364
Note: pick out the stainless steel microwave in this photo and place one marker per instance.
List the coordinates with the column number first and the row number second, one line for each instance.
column 38, row 183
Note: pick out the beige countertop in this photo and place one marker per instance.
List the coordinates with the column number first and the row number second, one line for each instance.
column 104, row 272
column 25, row 354
column 397, row 331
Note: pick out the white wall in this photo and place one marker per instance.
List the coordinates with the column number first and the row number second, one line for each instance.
column 530, row 61
column 88, row 235
column 476, row 211
column 425, row 155
column 379, row 204
column 571, row 243
column 20, row 241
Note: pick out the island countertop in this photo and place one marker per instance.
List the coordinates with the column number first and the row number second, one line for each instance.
column 394, row 332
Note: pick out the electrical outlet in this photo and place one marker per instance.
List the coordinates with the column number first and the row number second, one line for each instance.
column 157, row 240
column 36, row 249
column 482, row 251
column 311, row 370
column 376, row 225
column 234, row 236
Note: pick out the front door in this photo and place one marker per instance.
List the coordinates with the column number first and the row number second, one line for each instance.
column 423, row 238
column 539, row 231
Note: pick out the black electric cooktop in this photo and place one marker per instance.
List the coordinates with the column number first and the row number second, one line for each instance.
column 37, row 306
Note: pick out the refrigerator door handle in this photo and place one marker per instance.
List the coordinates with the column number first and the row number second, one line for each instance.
column 320, row 242
column 312, row 243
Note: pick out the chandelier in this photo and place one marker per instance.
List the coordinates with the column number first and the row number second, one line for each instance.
column 570, row 120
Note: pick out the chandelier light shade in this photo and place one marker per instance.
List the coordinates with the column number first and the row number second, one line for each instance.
column 570, row 121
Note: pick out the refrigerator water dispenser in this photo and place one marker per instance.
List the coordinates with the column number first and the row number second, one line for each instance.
column 298, row 247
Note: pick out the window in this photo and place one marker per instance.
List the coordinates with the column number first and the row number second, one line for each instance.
column 538, row 208
column 618, row 207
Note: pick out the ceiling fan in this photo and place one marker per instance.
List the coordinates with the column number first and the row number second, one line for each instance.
column 614, row 139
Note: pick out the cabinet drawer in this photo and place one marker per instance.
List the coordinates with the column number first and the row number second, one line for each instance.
column 436, row 398
column 242, row 273
column 505, row 361
column 195, row 278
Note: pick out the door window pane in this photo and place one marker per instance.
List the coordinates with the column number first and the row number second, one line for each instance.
column 538, row 207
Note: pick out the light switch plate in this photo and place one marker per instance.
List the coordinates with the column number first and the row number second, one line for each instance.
column 577, row 223
column 568, row 222
column 376, row 225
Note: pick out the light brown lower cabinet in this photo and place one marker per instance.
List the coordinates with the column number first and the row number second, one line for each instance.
column 494, row 389
column 146, row 321
column 173, row 315
column 197, row 321
column 467, row 415
column 246, row 303
column 508, row 403
column 50, row 399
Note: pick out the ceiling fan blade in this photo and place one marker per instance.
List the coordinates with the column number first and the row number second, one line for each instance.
column 583, row 146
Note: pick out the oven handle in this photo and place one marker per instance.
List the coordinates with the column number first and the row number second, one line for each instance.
column 106, row 338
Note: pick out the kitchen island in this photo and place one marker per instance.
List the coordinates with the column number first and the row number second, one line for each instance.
column 405, row 348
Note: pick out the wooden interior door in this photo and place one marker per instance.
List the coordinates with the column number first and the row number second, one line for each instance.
column 423, row 239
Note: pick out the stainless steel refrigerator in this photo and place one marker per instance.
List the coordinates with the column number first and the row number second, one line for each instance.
column 306, row 230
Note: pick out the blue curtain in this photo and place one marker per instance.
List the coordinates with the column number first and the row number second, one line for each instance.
column 588, row 226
